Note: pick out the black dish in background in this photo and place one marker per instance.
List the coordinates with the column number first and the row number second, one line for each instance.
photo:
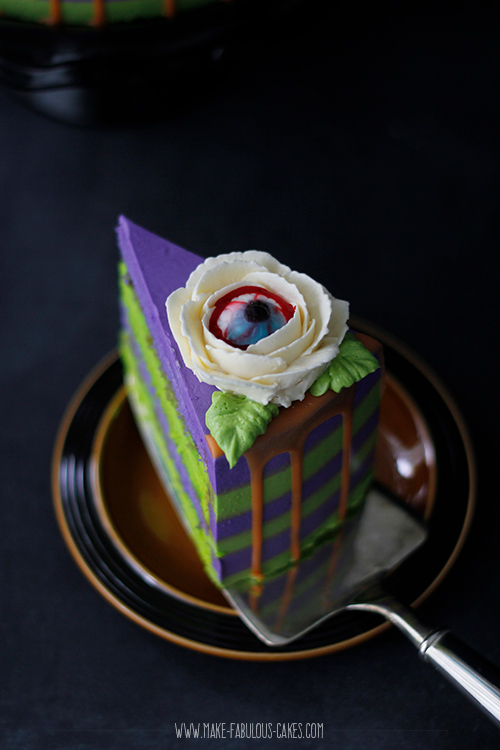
column 129, row 72
column 223, row 634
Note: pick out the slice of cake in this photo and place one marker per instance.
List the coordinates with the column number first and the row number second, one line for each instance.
column 258, row 405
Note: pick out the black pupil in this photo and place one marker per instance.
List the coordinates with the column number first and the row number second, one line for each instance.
column 257, row 311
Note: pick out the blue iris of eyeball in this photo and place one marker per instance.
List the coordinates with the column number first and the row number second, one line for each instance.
column 249, row 315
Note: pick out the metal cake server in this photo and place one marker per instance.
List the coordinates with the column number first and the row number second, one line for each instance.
column 346, row 574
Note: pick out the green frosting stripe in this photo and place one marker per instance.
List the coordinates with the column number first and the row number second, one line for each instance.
column 143, row 398
column 365, row 408
column 360, row 455
column 181, row 437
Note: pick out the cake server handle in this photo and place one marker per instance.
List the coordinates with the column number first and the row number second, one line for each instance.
column 471, row 673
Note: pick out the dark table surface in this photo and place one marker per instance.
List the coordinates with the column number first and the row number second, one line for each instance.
column 364, row 151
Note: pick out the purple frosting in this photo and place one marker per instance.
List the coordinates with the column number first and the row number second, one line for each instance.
column 157, row 267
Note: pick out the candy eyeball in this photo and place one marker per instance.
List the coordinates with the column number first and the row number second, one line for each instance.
column 248, row 314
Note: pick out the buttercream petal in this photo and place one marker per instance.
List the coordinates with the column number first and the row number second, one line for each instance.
column 210, row 263
column 221, row 276
column 276, row 342
column 296, row 349
column 244, row 365
column 192, row 328
column 266, row 260
column 277, row 284
column 317, row 299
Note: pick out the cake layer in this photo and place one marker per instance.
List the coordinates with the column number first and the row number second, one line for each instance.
column 291, row 490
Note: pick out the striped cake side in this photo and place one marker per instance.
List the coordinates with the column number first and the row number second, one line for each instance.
column 157, row 414
column 320, row 493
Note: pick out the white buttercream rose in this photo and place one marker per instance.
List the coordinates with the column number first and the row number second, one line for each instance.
column 281, row 366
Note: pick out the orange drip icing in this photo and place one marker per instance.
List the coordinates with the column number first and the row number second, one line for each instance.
column 296, row 463
column 257, row 488
column 99, row 13
column 170, row 8
column 287, row 434
column 213, row 447
column 345, row 473
column 55, row 14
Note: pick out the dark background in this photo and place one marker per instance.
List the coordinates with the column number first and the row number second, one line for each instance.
column 364, row 150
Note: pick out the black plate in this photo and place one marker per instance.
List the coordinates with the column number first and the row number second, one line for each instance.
column 135, row 71
column 221, row 633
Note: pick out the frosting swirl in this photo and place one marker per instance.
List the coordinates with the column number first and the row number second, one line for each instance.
column 249, row 325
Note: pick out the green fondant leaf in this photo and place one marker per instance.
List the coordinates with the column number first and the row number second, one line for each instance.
column 235, row 422
column 352, row 363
